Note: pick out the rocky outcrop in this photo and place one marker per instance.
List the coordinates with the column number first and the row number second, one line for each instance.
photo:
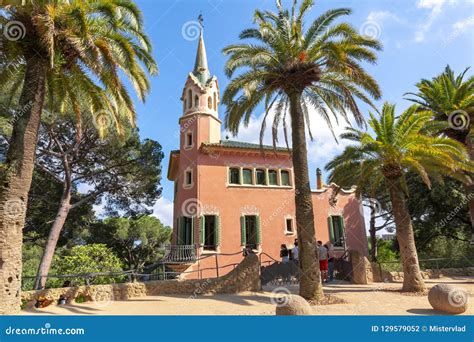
column 293, row 305
column 245, row 277
column 447, row 298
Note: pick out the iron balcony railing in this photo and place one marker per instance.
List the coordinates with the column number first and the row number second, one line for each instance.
column 180, row 253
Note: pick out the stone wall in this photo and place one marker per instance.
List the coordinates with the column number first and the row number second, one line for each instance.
column 385, row 276
column 361, row 268
column 245, row 277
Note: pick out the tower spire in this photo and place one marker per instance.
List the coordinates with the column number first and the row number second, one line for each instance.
column 201, row 70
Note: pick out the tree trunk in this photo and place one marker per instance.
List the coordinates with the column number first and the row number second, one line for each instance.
column 373, row 236
column 310, row 280
column 53, row 238
column 412, row 280
column 469, row 187
column 15, row 182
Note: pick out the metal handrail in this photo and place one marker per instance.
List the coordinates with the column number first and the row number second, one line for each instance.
column 134, row 274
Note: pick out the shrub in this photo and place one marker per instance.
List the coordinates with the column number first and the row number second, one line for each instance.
column 88, row 259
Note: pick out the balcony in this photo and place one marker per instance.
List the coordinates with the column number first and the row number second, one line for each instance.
column 180, row 254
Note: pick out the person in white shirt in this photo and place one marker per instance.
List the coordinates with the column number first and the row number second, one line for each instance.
column 323, row 261
column 295, row 252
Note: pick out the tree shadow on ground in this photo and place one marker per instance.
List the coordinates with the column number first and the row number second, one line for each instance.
column 73, row 308
column 428, row 312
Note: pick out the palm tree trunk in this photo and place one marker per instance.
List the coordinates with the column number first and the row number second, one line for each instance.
column 53, row 238
column 15, row 182
column 310, row 280
column 373, row 236
column 412, row 280
column 469, row 187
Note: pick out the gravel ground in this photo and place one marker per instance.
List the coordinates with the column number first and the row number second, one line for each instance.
column 373, row 299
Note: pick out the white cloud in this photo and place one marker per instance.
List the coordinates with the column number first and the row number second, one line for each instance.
column 382, row 16
column 461, row 26
column 163, row 209
column 435, row 7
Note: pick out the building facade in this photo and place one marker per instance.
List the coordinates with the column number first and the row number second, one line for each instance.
column 231, row 195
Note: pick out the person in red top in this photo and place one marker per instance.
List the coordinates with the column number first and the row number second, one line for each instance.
column 323, row 261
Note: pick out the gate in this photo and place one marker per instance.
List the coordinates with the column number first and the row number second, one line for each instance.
column 278, row 273
column 343, row 268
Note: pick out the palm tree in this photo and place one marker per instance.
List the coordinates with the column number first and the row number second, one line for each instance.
column 87, row 45
column 450, row 98
column 396, row 147
column 297, row 68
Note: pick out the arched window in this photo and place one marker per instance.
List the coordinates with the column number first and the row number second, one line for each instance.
column 215, row 101
column 209, row 102
column 184, row 105
column 196, row 101
column 190, row 98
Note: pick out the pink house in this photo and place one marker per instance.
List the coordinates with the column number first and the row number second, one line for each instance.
column 229, row 195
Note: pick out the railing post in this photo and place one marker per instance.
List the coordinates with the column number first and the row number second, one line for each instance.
column 217, row 266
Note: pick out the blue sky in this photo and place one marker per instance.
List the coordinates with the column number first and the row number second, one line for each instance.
column 420, row 38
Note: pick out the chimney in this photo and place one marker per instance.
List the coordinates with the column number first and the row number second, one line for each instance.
column 319, row 181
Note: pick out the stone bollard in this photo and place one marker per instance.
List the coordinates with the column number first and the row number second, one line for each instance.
column 447, row 298
column 293, row 305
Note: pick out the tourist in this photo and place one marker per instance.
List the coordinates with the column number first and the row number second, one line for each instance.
column 295, row 252
column 323, row 261
column 284, row 253
column 330, row 249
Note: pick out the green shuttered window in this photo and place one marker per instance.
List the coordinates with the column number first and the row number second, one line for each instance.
column 250, row 231
column 209, row 232
column 336, row 230
column 243, row 240
column 185, row 234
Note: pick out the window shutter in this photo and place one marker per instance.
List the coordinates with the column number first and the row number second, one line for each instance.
column 259, row 233
column 202, row 235
column 181, row 231
column 341, row 227
column 331, row 229
column 217, row 230
column 177, row 232
column 243, row 240
column 192, row 230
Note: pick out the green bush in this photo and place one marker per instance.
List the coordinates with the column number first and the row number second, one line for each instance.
column 93, row 258
column 387, row 255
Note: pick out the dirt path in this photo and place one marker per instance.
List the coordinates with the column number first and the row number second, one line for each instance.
column 374, row 299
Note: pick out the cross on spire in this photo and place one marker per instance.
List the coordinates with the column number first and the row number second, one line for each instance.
column 201, row 21
column 201, row 70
